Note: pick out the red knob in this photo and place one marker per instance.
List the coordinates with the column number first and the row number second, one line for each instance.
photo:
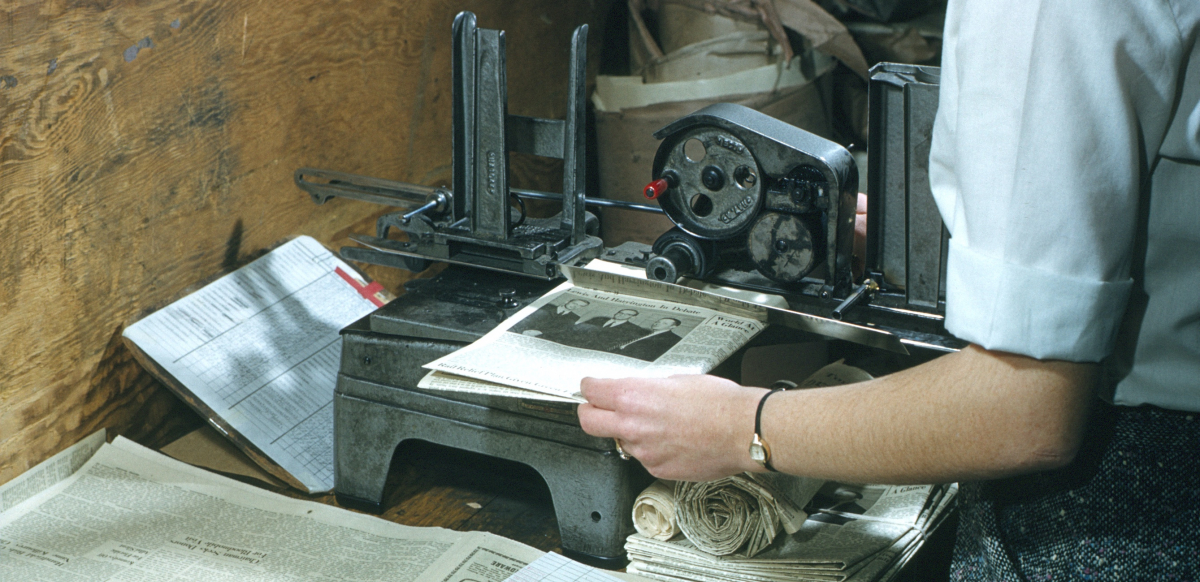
column 656, row 188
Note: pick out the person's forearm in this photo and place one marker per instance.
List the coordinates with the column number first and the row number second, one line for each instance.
column 970, row 415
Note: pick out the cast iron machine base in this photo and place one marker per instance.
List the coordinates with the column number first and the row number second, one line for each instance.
column 377, row 406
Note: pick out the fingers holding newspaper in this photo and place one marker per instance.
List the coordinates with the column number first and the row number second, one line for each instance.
column 685, row 427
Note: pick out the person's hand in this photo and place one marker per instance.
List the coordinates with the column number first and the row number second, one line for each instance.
column 693, row 428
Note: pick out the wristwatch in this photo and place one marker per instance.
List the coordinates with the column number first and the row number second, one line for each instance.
column 760, row 451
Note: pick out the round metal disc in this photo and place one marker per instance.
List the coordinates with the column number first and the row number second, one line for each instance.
column 728, row 201
column 781, row 247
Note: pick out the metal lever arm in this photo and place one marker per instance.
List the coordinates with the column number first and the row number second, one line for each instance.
column 365, row 188
column 405, row 195
column 861, row 293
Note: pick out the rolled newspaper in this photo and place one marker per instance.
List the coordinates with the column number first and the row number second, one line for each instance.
column 723, row 516
column 654, row 511
column 741, row 513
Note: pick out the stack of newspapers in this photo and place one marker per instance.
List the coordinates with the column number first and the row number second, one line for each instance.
column 852, row 533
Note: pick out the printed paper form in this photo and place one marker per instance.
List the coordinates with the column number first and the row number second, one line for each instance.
column 556, row 568
column 261, row 348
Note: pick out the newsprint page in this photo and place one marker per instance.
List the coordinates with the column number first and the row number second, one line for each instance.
column 579, row 331
column 133, row 515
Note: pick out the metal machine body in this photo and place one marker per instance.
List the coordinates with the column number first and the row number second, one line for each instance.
column 760, row 205
column 377, row 406
column 480, row 222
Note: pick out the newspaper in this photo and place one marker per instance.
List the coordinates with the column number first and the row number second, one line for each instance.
column 854, row 532
column 133, row 515
column 654, row 511
column 740, row 512
column 49, row 472
column 439, row 381
column 575, row 332
column 257, row 351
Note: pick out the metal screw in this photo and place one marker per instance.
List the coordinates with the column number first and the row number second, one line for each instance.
column 712, row 177
column 508, row 299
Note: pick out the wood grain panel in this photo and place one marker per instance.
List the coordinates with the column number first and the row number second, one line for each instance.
column 147, row 146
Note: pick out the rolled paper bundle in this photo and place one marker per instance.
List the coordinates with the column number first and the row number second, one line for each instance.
column 654, row 511
column 723, row 516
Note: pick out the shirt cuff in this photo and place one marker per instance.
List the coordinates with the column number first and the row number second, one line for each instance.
column 1013, row 308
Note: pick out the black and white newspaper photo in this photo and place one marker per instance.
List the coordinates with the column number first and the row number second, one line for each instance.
column 574, row 332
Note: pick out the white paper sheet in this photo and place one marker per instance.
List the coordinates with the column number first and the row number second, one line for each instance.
column 261, row 348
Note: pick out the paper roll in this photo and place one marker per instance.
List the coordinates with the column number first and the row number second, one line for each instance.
column 654, row 511
column 723, row 516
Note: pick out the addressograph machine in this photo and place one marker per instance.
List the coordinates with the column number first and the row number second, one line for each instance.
column 757, row 204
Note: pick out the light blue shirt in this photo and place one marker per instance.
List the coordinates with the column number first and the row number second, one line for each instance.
column 1065, row 164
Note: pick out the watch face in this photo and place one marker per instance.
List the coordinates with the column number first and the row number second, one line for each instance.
column 759, row 452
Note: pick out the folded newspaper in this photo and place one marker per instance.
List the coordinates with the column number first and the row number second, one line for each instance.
column 729, row 530
column 853, row 533
column 122, row 513
column 587, row 327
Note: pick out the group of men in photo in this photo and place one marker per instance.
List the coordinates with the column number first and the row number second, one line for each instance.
column 616, row 333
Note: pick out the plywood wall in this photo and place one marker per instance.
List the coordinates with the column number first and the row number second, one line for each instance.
column 147, row 146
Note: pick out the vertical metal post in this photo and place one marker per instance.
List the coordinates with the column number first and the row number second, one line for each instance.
column 906, row 240
column 885, row 178
column 463, row 70
column 924, row 271
column 489, row 211
column 574, row 140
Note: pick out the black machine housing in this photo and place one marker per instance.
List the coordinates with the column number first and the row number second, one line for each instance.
column 762, row 205
column 756, row 202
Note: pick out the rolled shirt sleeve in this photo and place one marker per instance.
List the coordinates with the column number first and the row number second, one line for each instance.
column 1051, row 113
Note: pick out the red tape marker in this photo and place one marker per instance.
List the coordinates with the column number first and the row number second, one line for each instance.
column 367, row 291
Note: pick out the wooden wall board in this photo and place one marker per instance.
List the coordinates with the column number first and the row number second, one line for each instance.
column 147, row 146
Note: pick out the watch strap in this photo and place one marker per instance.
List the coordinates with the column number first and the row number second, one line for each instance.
column 778, row 386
